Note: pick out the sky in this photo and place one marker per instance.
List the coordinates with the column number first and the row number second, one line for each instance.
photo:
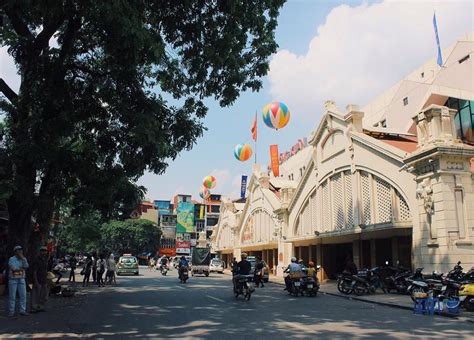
column 346, row 51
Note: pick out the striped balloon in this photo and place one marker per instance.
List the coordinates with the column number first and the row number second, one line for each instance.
column 204, row 193
column 209, row 182
column 242, row 152
column 276, row 115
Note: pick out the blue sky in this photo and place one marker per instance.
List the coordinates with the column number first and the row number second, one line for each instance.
column 227, row 127
column 347, row 51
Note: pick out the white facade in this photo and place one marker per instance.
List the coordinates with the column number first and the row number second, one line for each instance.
column 401, row 191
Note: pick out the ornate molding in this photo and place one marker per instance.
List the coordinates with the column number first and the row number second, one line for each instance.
column 424, row 191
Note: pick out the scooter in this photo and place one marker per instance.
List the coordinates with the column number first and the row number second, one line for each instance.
column 164, row 270
column 367, row 282
column 344, row 283
column 466, row 296
column 183, row 274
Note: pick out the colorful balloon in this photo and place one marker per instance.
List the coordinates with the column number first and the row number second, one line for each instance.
column 204, row 193
column 242, row 152
column 276, row 115
column 209, row 182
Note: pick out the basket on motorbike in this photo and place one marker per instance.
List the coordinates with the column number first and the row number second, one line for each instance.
column 296, row 275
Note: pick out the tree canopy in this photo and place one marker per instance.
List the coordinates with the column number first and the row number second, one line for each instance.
column 130, row 236
column 110, row 89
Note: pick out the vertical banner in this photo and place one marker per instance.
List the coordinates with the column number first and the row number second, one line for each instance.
column 435, row 25
column 243, row 186
column 185, row 218
column 201, row 212
column 274, row 160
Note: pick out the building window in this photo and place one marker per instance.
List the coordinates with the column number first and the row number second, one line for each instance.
column 215, row 208
column 464, row 118
column 405, row 101
column 422, row 74
column 199, row 226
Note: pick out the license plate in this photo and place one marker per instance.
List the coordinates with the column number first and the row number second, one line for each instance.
column 462, row 298
column 297, row 284
column 310, row 286
column 444, row 288
column 250, row 285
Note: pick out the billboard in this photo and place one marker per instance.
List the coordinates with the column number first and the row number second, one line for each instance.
column 185, row 223
column 183, row 247
column 168, row 232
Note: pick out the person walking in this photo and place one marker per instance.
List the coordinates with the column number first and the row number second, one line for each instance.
column 72, row 265
column 17, row 265
column 57, row 270
column 94, row 267
column 111, row 268
column 87, row 271
column 258, row 273
column 100, row 271
column 39, row 293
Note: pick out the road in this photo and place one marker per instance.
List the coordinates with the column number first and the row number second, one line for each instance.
column 155, row 306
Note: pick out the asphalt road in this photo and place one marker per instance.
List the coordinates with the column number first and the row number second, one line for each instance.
column 156, row 306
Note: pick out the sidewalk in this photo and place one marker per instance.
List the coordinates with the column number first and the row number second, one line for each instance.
column 391, row 300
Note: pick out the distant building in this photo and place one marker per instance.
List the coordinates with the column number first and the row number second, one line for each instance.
column 146, row 211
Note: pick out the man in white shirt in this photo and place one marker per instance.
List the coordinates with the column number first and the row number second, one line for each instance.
column 293, row 269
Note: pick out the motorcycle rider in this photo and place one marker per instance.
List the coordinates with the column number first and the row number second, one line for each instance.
column 243, row 268
column 258, row 274
column 293, row 269
column 183, row 264
column 311, row 270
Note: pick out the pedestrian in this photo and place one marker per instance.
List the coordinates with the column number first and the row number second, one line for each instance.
column 258, row 273
column 94, row 267
column 100, row 271
column 17, row 265
column 39, row 293
column 72, row 265
column 57, row 270
column 87, row 271
column 111, row 268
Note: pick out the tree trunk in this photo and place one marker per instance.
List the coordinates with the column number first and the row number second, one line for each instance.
column 20, row 211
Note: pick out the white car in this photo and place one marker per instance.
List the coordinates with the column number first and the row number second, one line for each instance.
column 216, row 266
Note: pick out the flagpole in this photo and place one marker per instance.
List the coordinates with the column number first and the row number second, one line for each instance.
column 256, row 136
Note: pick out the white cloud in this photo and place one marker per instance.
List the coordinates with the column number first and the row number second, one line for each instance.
column 359, row 52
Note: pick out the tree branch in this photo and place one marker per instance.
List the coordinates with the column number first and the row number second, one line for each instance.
column 7, row 91
column 42, row 39
column 18, row 25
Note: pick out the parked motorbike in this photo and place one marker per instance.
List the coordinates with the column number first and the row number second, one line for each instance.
column 243, row 286
column 344, row 283
column 183, row 274
column 164, row 270
column 396, row 281
column 367, row 281
column 466, row 296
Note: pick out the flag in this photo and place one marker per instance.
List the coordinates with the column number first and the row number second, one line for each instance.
column 435, row 25
column 243, row 186
column 254, row 128
column 274, row 160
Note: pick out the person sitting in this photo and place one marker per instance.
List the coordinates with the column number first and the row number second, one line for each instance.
column 243, row 268
column 183, row 264
column 311, row 270
column 293, row 270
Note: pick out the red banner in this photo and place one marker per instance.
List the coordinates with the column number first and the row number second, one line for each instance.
column 274, row 161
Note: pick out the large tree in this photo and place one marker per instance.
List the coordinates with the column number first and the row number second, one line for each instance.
column 97, row 82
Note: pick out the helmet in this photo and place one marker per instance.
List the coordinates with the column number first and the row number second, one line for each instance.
column 17, row 248
column 300, row 261
column 243, row 255
column 293, row 259
column 311, row 263
column 183, row 257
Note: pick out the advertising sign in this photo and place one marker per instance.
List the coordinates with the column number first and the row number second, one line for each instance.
column 274, row 161
column 168, row 232
column 243, row 186
column 183, row 237
column 183, row 247
column 167, row 251
column 185, row 223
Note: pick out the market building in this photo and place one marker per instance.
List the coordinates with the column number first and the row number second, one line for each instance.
column 392, row 182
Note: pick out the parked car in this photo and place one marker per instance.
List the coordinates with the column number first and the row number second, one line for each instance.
column 127, row 264
column 216, row 266
column 266, row 270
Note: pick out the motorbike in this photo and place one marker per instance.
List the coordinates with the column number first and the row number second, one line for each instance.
column 183, row 274
column 310, row 285
column 397, row 280
column 295, row 288
column 367, row 281
column 466, row 296
column 344, row 283
column 243, row 286
column 164, row 270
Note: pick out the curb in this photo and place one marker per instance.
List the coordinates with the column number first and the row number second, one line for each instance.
column 387, row 304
